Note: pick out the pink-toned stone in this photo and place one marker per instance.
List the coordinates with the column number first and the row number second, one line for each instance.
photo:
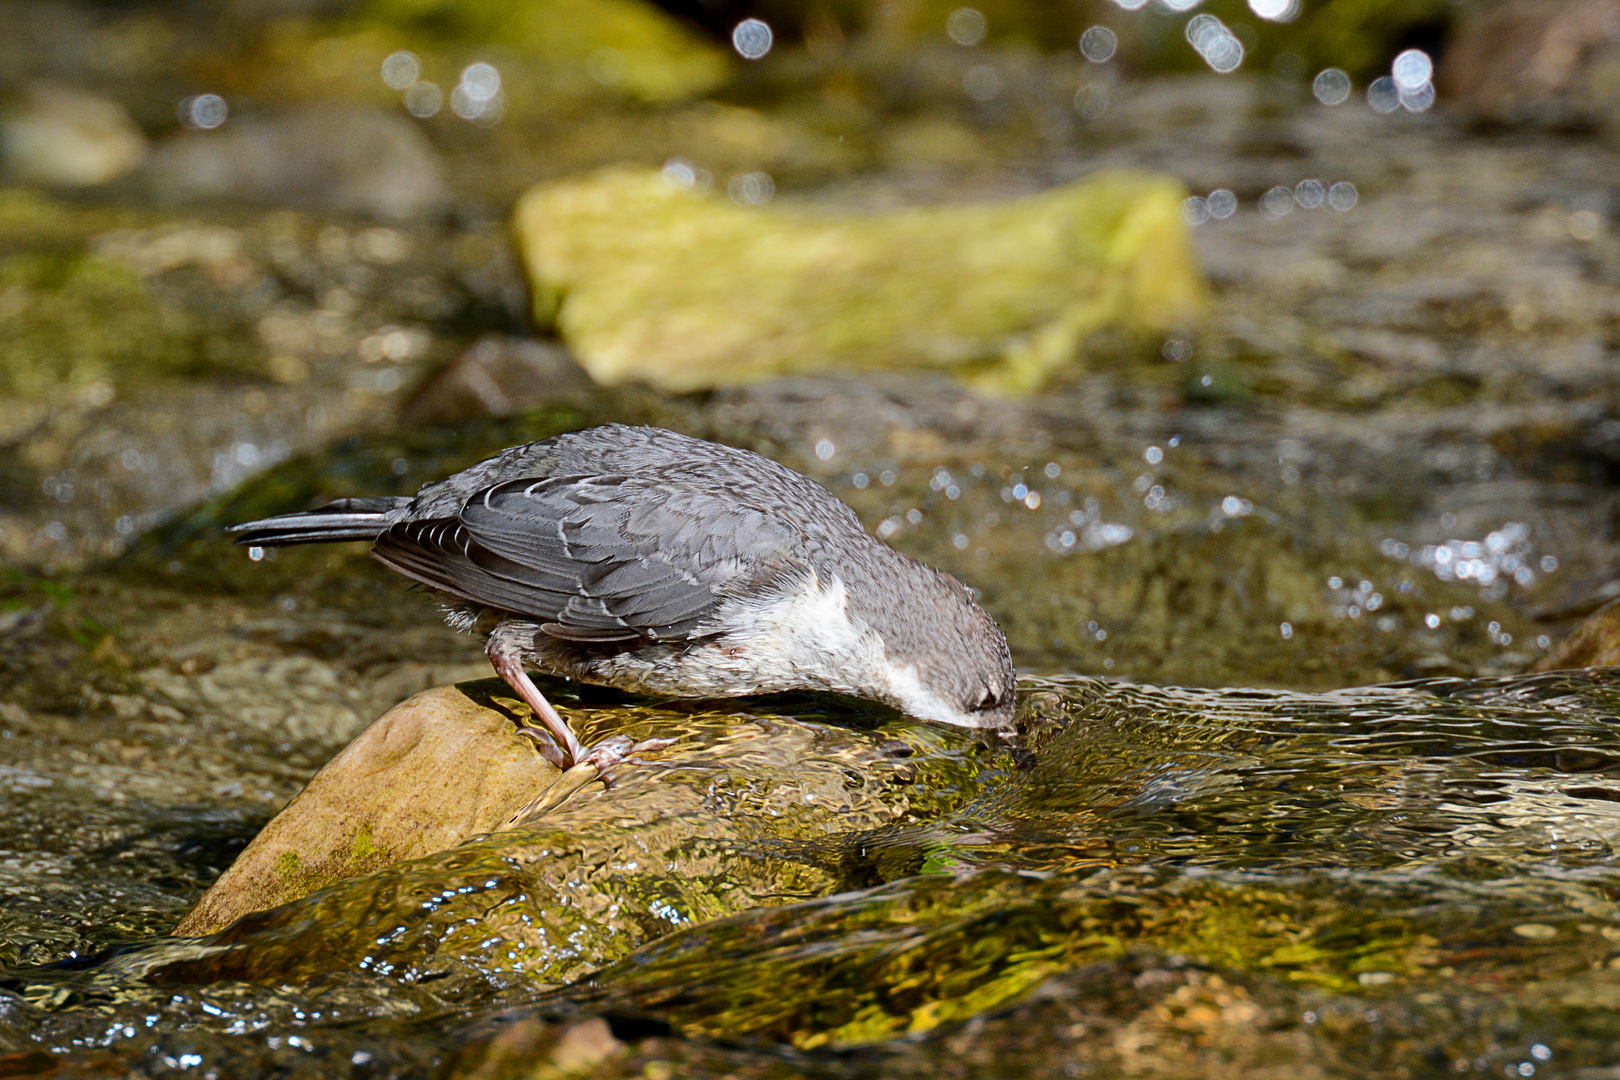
column 427, row 775
column 1527, row 51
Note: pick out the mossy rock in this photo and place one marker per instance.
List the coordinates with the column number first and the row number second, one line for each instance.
column 909, row 957
column 550, row 53
column 418, row 847
column 648, row 280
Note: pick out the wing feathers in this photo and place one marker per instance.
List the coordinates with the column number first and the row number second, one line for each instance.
column 594, row 558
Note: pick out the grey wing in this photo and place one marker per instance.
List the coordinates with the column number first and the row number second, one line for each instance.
column 594, row 558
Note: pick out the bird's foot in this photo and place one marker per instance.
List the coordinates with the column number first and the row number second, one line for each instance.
column 606, row 761
column 546, row 745
column 613, row 756
column 605, row 757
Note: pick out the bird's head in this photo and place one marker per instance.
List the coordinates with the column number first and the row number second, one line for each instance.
column 947, row 660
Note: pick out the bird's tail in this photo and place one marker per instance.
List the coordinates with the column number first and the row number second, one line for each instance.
column 346, row 519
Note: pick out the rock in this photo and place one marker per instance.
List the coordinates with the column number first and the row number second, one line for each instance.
column 624, row 45
column 343, row 161
column 1593, row 643
column 647, row 279
column 62, row 136
column 552, row 56
column 379, row 866
column 1531, row 56
column 498, row 376
column 427, row 775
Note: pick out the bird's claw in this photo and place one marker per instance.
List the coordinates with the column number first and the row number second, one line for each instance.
column 605, row 761
column 612, row 755
column 606, row 756
column 545, row 744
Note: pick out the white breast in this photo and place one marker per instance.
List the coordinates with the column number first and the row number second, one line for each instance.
column 807, row 638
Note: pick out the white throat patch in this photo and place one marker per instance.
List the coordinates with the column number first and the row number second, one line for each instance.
column 917, row 700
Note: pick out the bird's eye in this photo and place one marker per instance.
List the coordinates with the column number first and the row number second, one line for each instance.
column 987, row 700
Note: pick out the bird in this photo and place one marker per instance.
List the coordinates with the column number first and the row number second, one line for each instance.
column 650, row 561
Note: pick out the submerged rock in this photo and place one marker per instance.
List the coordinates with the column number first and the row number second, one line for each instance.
column 647, row 279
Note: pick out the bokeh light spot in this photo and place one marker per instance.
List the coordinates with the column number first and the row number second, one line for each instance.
column 1098, row 44
column 1383, row 96
column 966, row 26
column 1091, row 101
column 1419, row 100
column 751, row 189
column 752, row 38
column 1275, row 10
column 1277, row 202
column 1210, row 38
column 424, row 99
column 401, row 69
column 1331, row 86
column 1412, row 69
column 205, row 112
column 982, row 82
column 482, row 81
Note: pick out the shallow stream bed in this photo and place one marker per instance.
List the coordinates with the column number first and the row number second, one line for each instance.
column 1389, row 459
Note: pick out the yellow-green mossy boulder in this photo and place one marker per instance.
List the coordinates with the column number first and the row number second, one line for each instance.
column 551, row 54
column 649, row 280
column 630, row 45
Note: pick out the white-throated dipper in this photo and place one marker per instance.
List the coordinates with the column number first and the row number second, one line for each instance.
column 641, row 559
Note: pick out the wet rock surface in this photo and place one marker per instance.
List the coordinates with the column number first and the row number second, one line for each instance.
column 425, row 776
column 1349, row 878
column 1387, row 453
column 366, row 163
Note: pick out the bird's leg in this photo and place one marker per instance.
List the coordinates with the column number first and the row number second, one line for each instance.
column 510, row 668
column 604, row 761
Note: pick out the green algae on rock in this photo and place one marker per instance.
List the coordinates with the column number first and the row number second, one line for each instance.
column 626, row 44
column 906, row 958
column 649, row 280
column 77, row 318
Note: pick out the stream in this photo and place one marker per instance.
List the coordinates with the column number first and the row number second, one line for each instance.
column 1289, row 797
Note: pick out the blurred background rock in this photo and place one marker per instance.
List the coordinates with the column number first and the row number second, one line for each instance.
column 1267, row 345
column 1362, row 289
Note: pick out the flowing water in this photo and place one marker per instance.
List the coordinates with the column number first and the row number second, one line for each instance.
column 1412, row 879
column 1385, row 463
